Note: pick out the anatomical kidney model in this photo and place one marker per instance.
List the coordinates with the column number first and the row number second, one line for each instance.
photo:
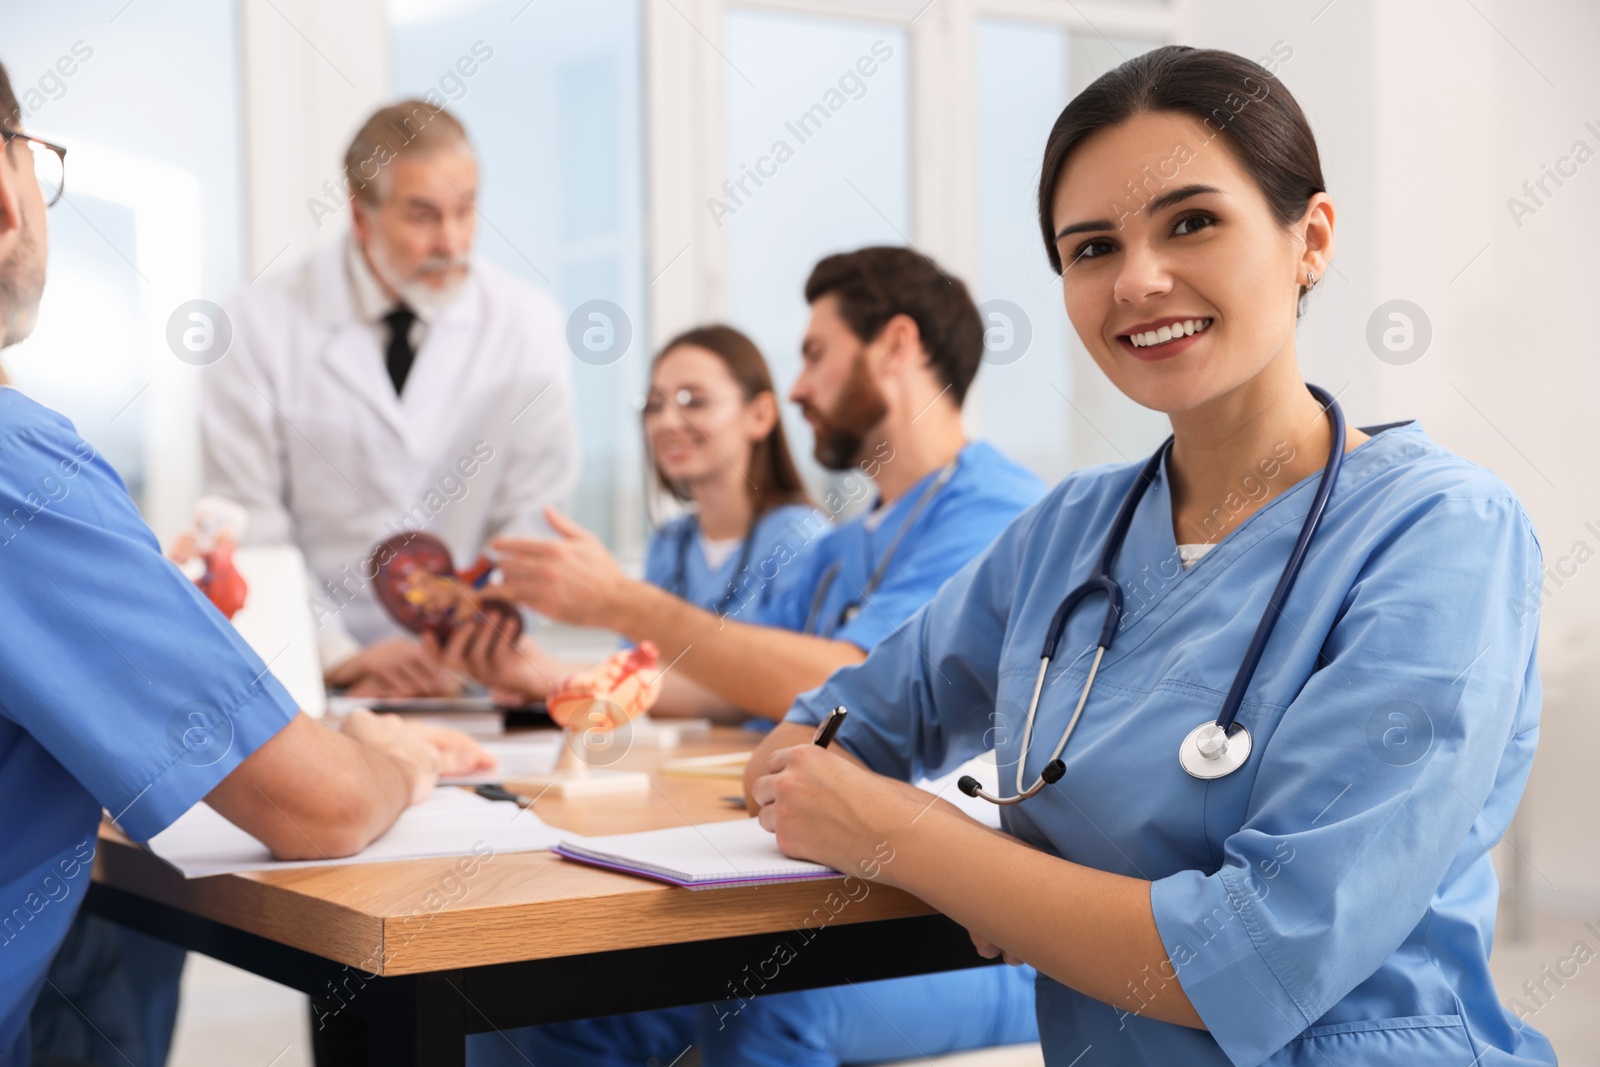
column 617, row 690
column 205, row 553
column 418, row 584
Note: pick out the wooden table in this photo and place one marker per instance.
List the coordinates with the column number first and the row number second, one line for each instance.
column 409, row 958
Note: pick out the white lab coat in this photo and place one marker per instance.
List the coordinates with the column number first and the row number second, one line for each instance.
column 301, row 425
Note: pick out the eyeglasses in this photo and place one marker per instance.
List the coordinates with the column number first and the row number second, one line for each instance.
column 49, row 164
column 684, row 400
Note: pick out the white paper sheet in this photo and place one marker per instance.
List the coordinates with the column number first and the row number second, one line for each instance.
column 521, row 756
column 452, row 822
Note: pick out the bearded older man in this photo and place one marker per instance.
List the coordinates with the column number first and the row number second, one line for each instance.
column 392, row 381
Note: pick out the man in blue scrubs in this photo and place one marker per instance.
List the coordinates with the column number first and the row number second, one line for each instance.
column 121, row 687
column 891, row 348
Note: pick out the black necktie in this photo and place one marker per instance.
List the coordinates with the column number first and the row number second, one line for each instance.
column 399, row 355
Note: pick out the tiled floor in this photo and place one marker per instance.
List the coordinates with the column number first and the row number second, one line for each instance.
column 230, row 1017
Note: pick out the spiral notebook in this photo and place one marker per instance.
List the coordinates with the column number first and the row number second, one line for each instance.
column 736, row 852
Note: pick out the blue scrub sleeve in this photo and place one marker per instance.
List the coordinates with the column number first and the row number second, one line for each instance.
column 1380, row 769
column 922, row 702
column 113, row 661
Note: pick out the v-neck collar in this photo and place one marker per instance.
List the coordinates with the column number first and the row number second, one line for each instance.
column 1148, row 561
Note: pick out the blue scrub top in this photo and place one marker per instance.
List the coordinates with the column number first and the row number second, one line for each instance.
column 121, row 687
column 1333, row 901
column 784, row 531
column 984, row 494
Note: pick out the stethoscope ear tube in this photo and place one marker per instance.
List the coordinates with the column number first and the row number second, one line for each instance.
column 1291, row 569
column 1049, row 776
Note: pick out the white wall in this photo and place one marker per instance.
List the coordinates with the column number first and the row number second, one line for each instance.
column 312, row 72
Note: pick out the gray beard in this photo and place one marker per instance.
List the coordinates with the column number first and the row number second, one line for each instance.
column 418, row 296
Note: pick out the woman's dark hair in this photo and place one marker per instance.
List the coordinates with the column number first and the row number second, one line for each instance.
column 1232, row 96
column 773, row 479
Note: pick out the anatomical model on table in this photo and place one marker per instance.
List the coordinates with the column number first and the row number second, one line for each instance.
column 595, row 707
column 616, row 690
column 205, row 553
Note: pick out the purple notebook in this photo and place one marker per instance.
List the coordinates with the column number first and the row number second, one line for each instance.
column 715, row 855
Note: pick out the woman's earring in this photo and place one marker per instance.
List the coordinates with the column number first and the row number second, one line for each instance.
column 1311, row 283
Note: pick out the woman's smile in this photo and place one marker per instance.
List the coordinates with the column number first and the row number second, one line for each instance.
column 677, row 450
column 1164, row 338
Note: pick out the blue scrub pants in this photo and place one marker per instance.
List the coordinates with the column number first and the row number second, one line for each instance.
column 112, row 998
column 900, row 1018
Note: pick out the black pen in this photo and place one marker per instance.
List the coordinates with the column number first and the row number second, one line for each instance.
column 830, row 726
column 496, row 791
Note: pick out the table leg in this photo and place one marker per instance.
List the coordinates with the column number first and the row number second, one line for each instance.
column 338, row 1038
column 422, row 1022
column 415, row 1021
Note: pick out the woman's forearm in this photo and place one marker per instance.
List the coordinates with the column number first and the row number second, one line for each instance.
column 1090, row 930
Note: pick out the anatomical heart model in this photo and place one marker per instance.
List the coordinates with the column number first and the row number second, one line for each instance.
column 617, row 690
column 417, row 582
column 218, row 523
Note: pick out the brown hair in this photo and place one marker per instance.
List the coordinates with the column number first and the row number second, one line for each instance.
column 409, row 128
column 1268, row 131
column 873, row 285
column 10, row 110
column 773, row 478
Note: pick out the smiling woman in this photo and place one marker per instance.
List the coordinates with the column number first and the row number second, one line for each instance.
column 1122, row 870
column 1186, row 295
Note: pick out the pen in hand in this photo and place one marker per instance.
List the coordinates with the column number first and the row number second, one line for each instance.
column 830, row 726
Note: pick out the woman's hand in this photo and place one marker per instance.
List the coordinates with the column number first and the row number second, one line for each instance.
column 573, row 579
column 826, row 809
column 518, row 670
column 781, row 736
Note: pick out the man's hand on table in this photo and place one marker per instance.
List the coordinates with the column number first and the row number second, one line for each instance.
column 396, row 667
column 424, row 752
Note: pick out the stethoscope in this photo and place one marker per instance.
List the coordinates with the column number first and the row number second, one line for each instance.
column 678, row 584
column 1212, row 749
column 852, row 609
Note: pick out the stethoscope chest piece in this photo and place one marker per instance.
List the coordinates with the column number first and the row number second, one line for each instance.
column 1209, row 752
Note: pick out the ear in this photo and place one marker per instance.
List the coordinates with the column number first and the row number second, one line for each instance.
column 359, row 223
column 901, row 346
column 1318, row 233
column 10, row 202
column 761, row 415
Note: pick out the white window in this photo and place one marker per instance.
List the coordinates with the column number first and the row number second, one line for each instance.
column 150, row 219
column 554, row 109
column 817, row 162
column 1041, row 400
column 940, row 150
